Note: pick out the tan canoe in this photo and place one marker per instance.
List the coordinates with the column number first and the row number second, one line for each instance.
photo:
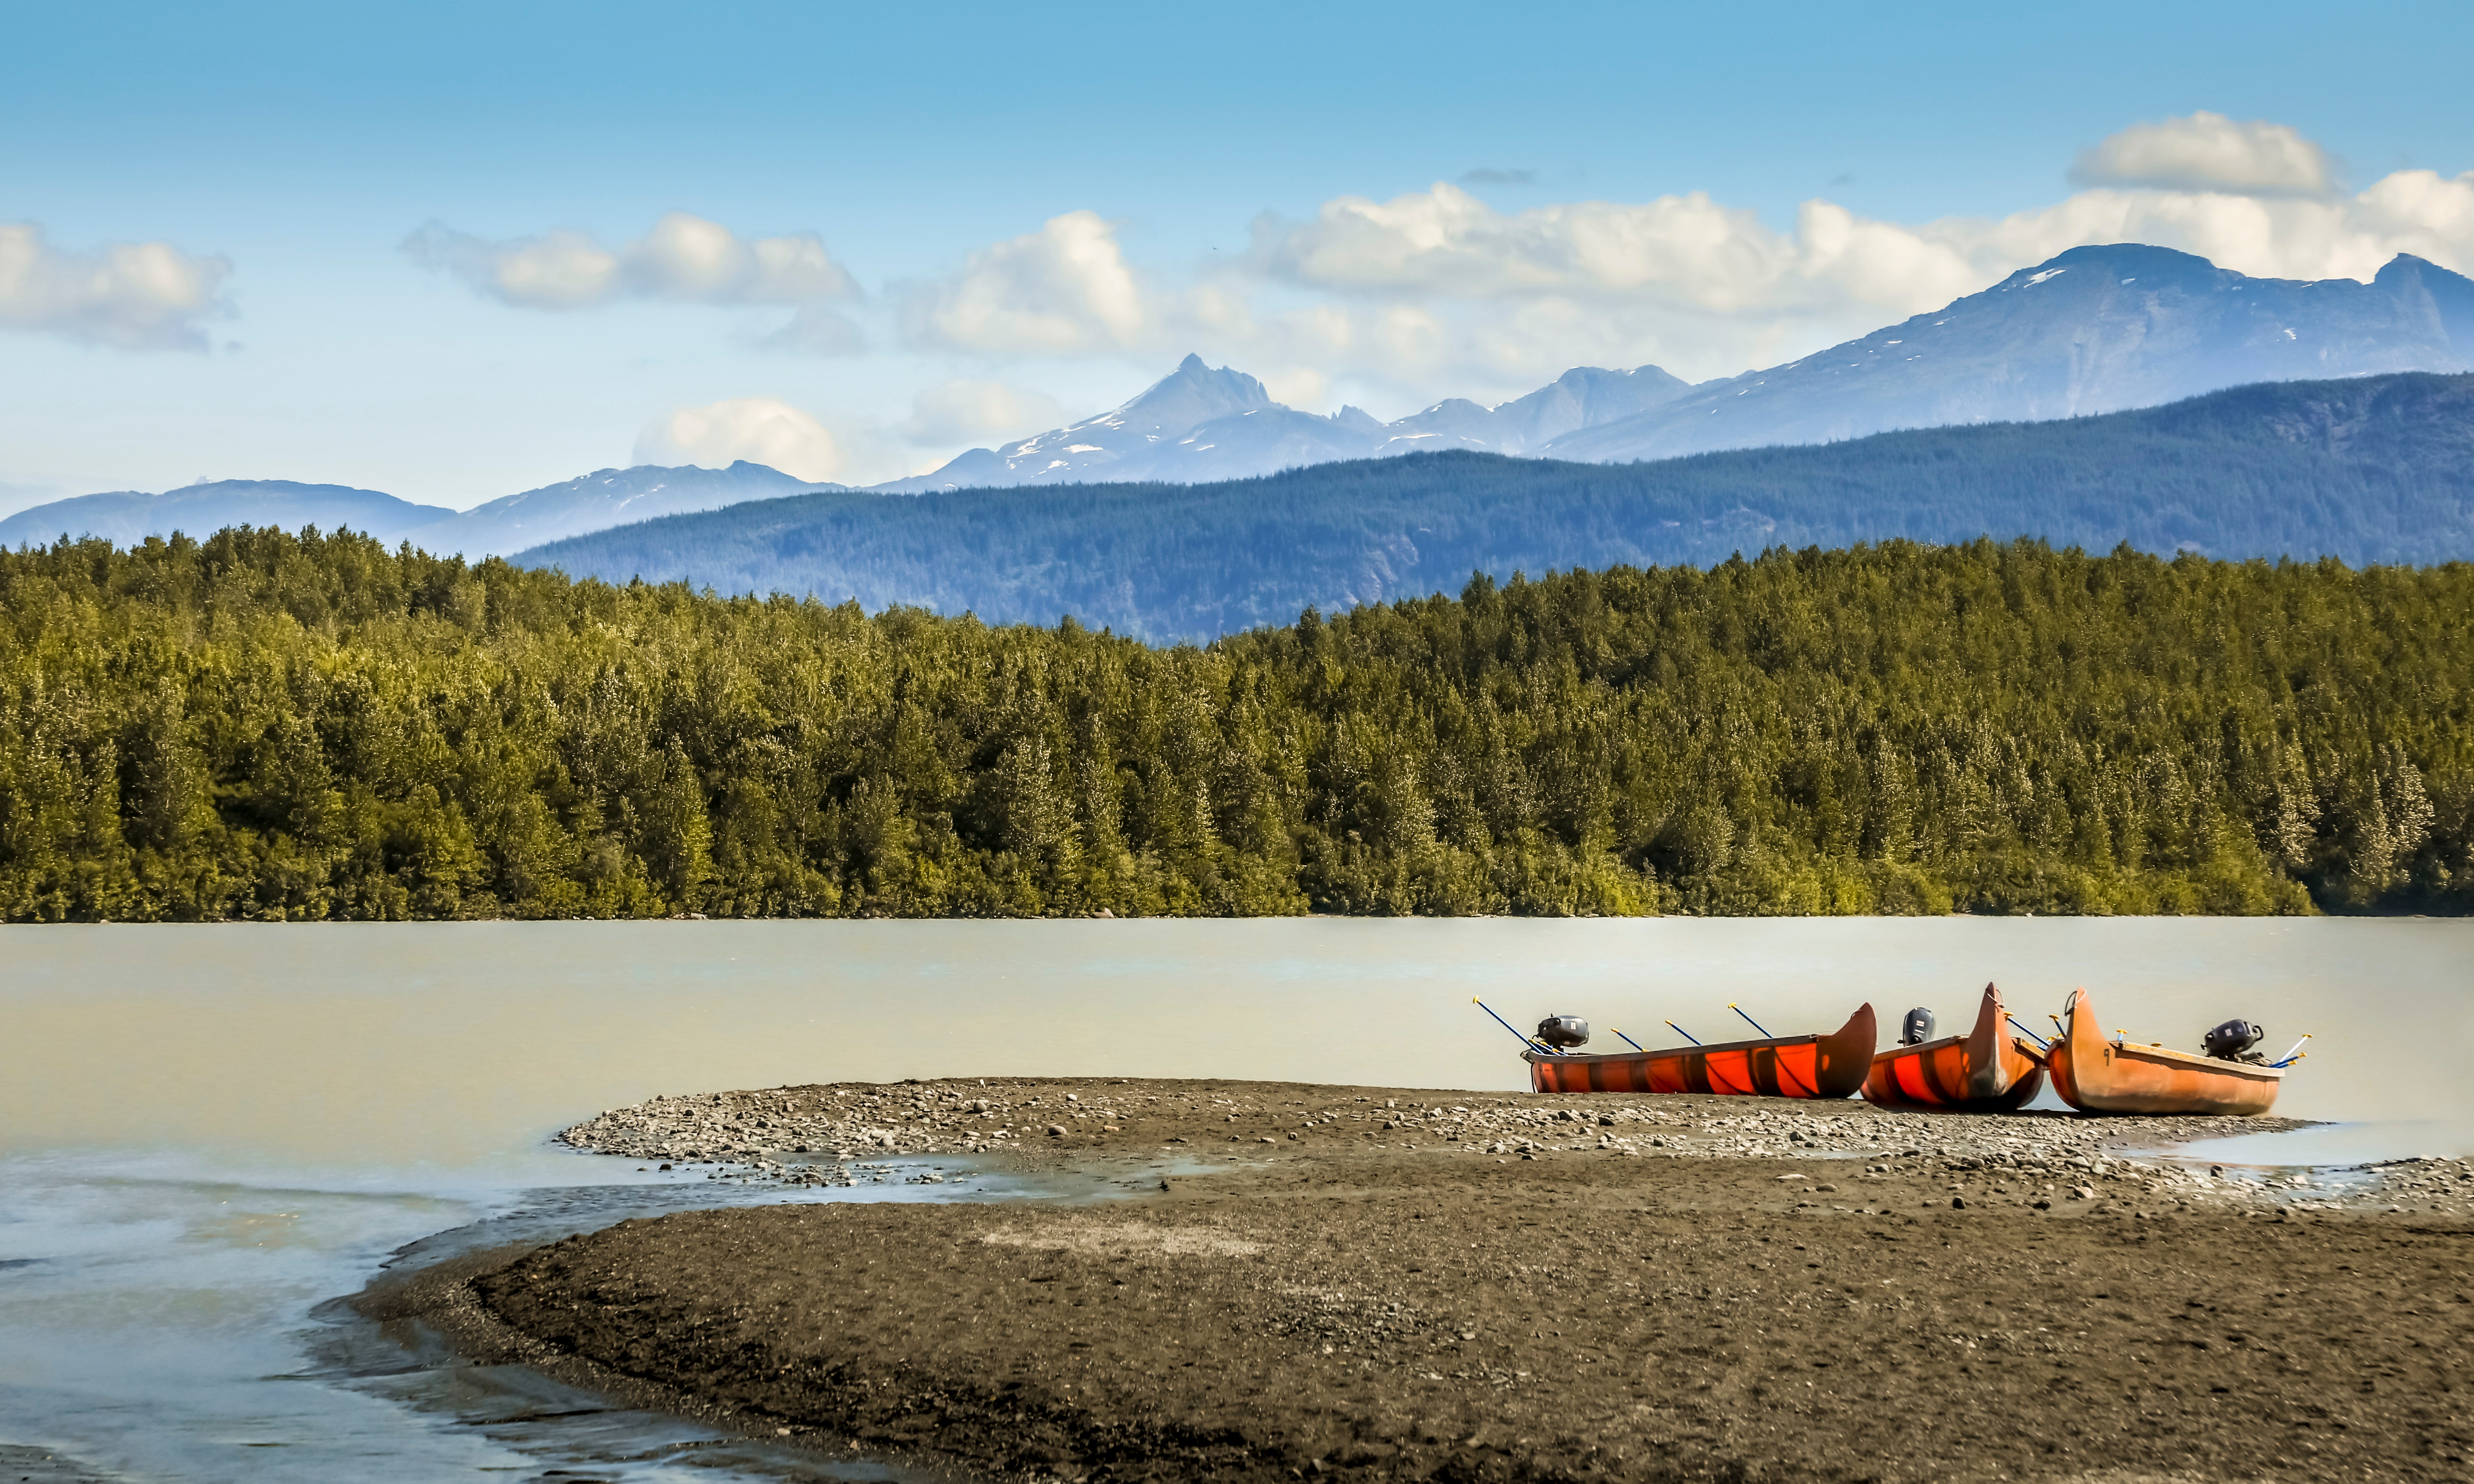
column 1991, row 1069
column 2095, row 1075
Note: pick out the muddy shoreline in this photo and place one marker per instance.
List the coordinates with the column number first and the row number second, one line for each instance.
column 1452, row 1285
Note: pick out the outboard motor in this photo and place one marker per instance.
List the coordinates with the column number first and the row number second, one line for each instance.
column 1917, row 1028
column 1564, row 1031
column 2233, row 1041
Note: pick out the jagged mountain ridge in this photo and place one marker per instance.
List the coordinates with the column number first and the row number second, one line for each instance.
column 1198, row 425
column 2096, row 330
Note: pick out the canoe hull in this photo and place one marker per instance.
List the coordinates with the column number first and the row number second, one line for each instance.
column 1989, row 1070
column 1786, row 1066
column 2098, row 1076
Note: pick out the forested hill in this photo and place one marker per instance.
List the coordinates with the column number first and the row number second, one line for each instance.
column 2375, row 470
column 274, row 726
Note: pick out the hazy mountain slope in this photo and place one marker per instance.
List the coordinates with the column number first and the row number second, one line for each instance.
column 2368, row 469
column 1581, row 398
column 2096, row 330
column 126, row 517
column 602, row 498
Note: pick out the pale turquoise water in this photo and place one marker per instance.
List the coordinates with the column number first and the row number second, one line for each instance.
column 207, row 1131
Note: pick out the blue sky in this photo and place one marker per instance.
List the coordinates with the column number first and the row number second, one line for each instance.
column 860, row 240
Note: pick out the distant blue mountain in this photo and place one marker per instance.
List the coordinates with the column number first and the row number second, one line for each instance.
column 601, row 499
column 128, row 517
column 590, row 503
column 2374, row 469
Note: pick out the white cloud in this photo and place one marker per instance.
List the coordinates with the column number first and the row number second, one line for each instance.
column 683, row 258
column 137, row 296
column 1064, row 289
column 2209, row 152
column 965, row 412
column 757, row 428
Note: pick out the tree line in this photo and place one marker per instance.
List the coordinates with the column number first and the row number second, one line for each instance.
column 267, row 725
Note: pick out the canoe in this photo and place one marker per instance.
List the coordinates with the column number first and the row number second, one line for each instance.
column 1783, row 1066
column 2098, row 1076
column 1991, row 1069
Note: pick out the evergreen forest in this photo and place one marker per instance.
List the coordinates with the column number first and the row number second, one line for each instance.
column 272, row 726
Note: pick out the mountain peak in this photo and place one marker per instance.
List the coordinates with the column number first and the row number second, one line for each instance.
column 1193, row 393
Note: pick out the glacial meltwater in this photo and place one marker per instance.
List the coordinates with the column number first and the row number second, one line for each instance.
column 209, row 1134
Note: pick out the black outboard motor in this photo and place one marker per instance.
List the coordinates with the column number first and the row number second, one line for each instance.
column 1564, row 1031
column 2233, row 1041
column 1917, row 1028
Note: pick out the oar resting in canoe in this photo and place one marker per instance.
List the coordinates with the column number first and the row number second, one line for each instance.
column 2095, row 1075
column 1991, row 1069
column 1780, row 1066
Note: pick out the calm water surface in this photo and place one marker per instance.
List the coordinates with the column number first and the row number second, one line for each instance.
column 208, row 1132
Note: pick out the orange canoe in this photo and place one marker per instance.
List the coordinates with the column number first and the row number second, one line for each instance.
column 1785, row 1066
column 2098, row 1076
column 1989, row 1070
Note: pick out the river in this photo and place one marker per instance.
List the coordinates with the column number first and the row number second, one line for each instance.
column 209, row 1133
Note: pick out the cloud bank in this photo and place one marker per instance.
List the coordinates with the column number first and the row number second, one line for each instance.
column 1062, row 290
column 2209, row 152
column 683, row 258
column 757, row 428
column 965, row 411
column 133, row 296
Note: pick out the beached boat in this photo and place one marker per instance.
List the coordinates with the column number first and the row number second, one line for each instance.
column 1991, row 1069
column 2095, row 1075
column 1783, row 1066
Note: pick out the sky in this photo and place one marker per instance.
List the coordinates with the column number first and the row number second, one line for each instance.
column 457, row 251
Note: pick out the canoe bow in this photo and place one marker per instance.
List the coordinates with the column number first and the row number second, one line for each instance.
column 1991, row 1069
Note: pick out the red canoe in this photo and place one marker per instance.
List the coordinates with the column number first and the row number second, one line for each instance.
column 1991, row 1069
column 1785, row 1066
column 2098, row 1076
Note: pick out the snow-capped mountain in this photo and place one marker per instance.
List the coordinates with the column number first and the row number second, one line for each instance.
column 2096, row 330
column 1124, row 444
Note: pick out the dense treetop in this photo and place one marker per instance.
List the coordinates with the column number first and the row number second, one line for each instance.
column 272, row 726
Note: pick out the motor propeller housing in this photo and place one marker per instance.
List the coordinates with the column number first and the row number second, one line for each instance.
column 1564, row 1031
column 1917, row 1028
column 2233, row 1041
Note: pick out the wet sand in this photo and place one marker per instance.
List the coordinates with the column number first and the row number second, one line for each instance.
column 1672, row 1288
